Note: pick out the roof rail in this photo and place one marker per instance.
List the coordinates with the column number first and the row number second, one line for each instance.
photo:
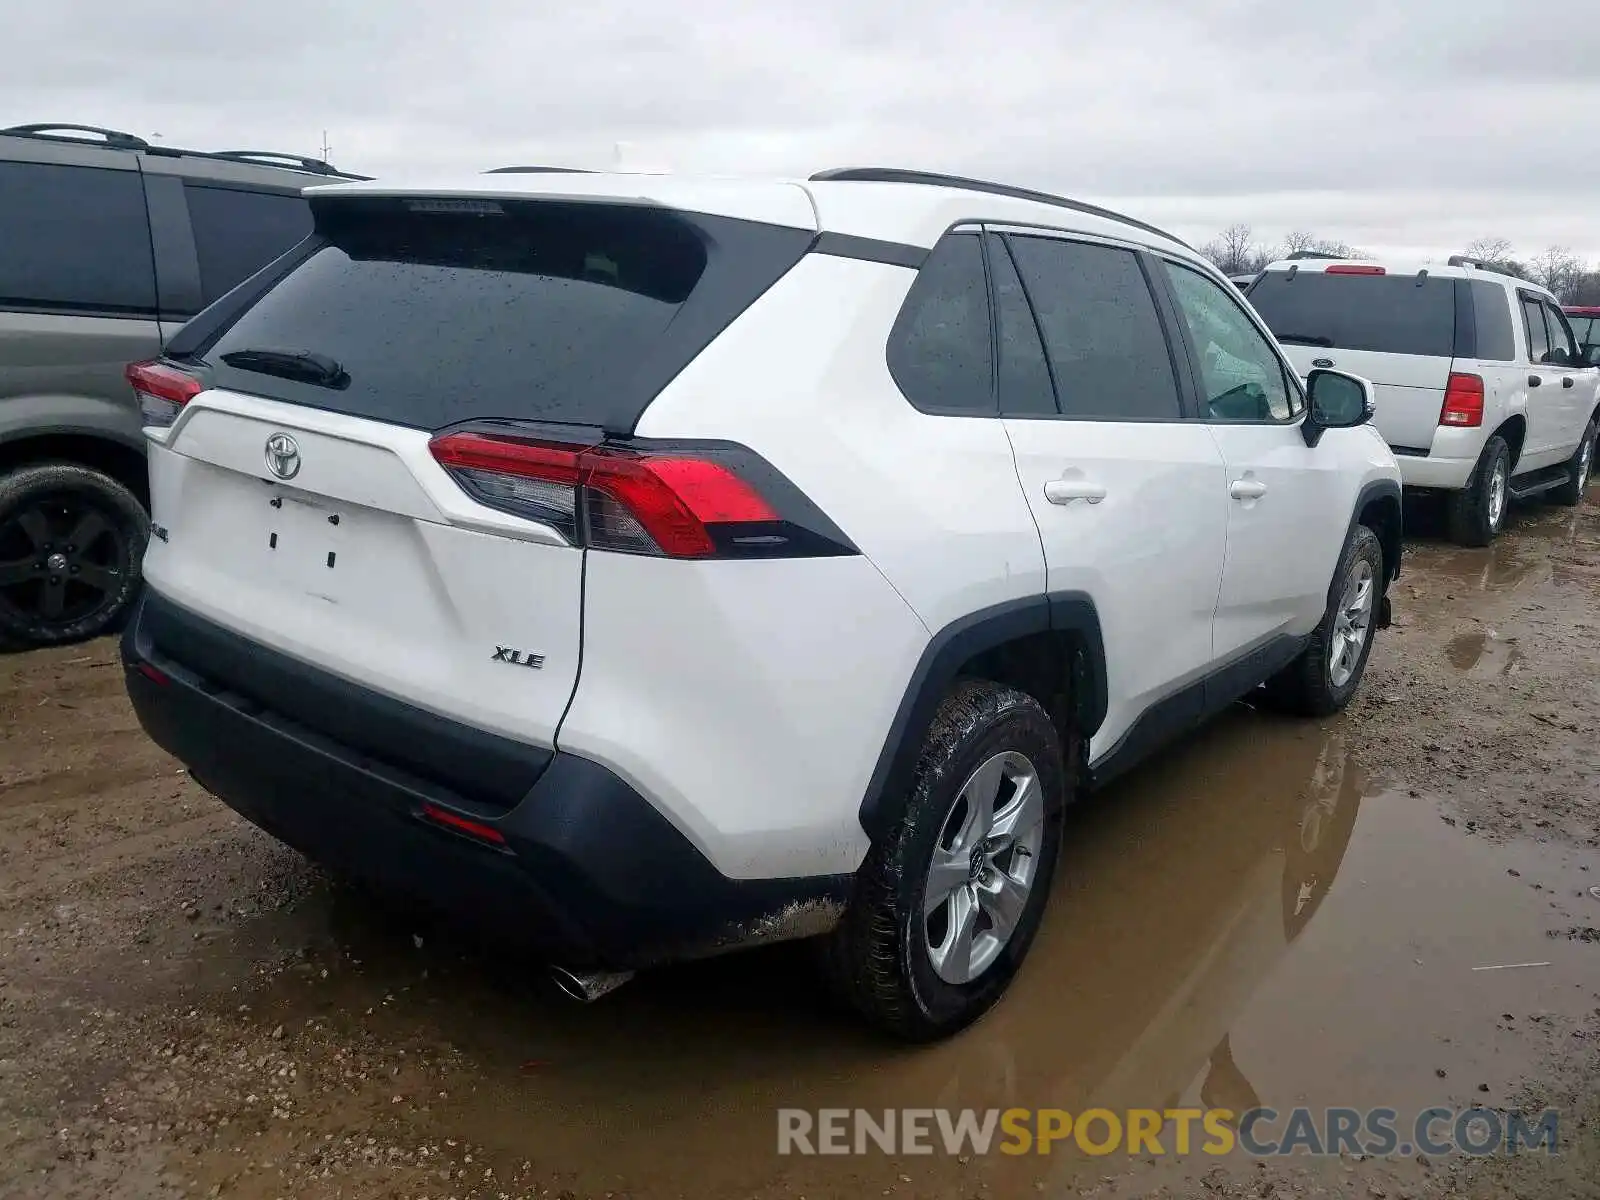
column 1311, row 254
column 271, row 158
column 113, row 139
column 934, row 179
column 52, row 132
column 538, row 171
column 1461, row 260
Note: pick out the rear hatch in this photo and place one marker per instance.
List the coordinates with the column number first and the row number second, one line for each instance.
column 1399, row 331
column 299, row 500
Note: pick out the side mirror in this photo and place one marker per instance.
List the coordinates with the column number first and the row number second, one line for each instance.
column 1335, row 400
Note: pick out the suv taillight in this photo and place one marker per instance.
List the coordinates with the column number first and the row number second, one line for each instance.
column 676, row 505
column 1463, row 402
column 162, row 389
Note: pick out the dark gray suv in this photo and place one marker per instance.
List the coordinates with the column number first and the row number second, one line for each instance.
column 107, row 245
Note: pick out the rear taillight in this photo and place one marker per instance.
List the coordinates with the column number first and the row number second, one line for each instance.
column 677, row 504
column 162, row 389
column 1355, row 269
column 1463, row 402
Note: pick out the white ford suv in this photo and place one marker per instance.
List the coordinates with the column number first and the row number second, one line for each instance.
column 642, row 567
column 1482, row 392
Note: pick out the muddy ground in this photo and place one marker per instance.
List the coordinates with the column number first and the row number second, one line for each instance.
column 1273, row 912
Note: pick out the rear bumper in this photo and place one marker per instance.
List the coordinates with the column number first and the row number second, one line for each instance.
column 1449, row 461
column 586, row 871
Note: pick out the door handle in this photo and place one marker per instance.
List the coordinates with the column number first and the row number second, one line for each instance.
column 1566, row 381
column 1247, row 489
column 1534, row 381
column 1065, row 491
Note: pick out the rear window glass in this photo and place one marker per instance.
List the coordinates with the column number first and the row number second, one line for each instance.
column 442, row 311
column 1389, row 314
column 237, row 233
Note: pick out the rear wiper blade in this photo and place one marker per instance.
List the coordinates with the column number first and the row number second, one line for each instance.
column 1305, row 339
column 298, row 365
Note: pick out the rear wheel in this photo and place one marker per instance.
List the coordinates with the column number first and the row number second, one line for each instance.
column 1478, row 511
column 1578, row 470
column 71, row 541
column 947, row 906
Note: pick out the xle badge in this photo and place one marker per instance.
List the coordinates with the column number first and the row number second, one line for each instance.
column 518, row 658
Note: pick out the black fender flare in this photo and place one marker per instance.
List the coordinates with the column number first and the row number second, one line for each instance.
column 942, row 659
column 1393, row 541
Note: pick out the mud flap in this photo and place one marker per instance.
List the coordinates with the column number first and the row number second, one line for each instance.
column 1385, row 613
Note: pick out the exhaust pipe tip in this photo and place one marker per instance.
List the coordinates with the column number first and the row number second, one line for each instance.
column 588, row 986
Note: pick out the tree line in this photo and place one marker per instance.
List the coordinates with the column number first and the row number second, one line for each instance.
column 1237, row 252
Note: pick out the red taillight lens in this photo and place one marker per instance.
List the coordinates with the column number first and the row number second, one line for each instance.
column 1355, row 269
column 1463, row 402
column 637, row 502
column 162, row 390
column 464, row 825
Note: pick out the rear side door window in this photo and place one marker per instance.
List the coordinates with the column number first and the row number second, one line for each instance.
column 236, row 233
column 940, row 350
column 74, row 240
column 1241, row 376
column 1103, row 338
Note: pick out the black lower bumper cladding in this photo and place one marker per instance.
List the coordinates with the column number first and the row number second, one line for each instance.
column 580, row 868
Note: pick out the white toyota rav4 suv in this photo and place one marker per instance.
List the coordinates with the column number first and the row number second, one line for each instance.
column 642, row 567
column 1482, row 391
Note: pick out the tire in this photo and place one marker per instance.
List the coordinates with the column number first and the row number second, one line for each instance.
column 1475, row 518
column 885, row 958
column 1314, row 685
column 71, row 543
column 1579, row 467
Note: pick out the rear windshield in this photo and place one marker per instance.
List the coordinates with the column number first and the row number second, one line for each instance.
column 428, row 313
column 1391, row 314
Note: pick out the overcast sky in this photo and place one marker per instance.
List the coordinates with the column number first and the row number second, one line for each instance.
column 1411, row 125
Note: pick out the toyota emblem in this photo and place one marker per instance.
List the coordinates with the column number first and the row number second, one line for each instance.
column 283, row 456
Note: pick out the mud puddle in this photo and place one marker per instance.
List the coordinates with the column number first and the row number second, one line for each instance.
column 1246, row 922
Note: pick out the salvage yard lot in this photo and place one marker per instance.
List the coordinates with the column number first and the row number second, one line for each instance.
column 1272, row 912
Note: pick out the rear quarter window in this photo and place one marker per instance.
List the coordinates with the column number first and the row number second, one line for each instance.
column 1387, row 314
column 236, row 233
column 1491, row 319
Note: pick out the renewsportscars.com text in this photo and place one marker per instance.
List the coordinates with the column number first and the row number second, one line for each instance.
column 1262, row 1132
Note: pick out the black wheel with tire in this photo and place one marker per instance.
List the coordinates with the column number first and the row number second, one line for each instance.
column 948, row 904
column 71, row 542
column 1478, row 511
column 1578, row 469
column 1322, row 679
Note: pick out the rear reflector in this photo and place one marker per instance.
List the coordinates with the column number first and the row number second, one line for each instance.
column 641, row 503
column 162, row 389
column 1354, row 269
column 464, row 825
column 153, row 673
column 1463, row 402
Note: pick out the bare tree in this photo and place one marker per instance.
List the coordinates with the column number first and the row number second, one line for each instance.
column 1298, row 240
column 1490, row 250
column 1559, row 270
column 1585, row 289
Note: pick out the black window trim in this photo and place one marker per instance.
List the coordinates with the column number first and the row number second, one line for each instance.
column 1523, row 296
column 996, row 243
column 1291, row 377
column 1187, row 394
